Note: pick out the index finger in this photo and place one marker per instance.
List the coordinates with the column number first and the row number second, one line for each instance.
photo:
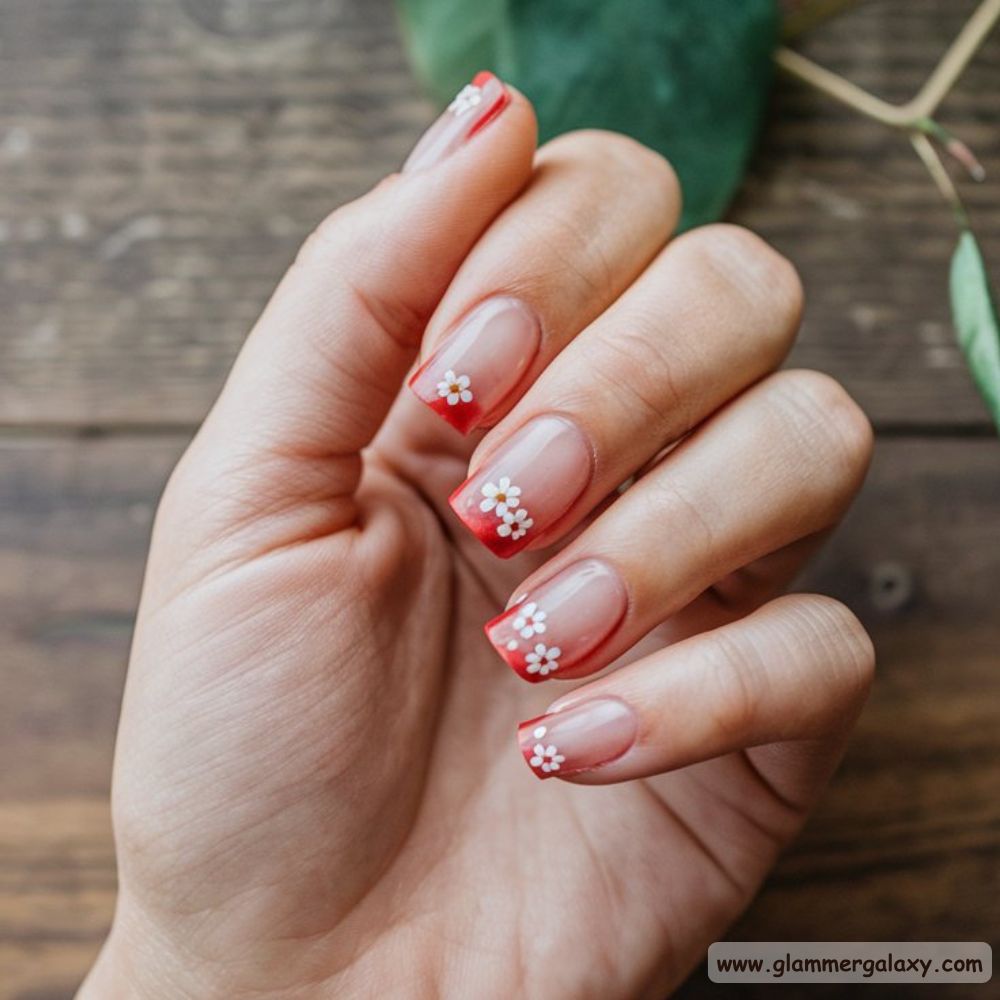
column 597, row 210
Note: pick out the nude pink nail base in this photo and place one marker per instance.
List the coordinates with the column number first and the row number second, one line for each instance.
column 562, row 621
column 475, row 106
column 582, row 737
column 480, row 362
column 526, row 486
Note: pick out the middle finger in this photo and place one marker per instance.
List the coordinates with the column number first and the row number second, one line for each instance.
column 715, row 311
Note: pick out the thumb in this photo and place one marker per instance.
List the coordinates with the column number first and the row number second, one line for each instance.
column 321, row 368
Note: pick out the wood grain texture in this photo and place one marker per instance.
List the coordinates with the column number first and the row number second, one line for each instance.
column 162, row 160
column 905, row 846
column 75, row 517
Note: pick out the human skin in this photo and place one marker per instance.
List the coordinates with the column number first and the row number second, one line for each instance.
column 320, row 789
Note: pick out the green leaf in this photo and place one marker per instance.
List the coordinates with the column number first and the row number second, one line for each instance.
column 975, row 315
column 450, row 40
column 689, row 78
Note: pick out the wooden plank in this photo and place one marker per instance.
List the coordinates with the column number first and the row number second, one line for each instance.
column 162, row 161
column 74, row 523
column 905, row 846
column 57, row 869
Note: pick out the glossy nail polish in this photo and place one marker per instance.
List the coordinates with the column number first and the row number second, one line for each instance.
column 470, row 112
column 526, row 486
column 560, row 622
column 480, row 362
column 583, row 737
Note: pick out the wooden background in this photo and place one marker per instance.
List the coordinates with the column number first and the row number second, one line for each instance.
column 160, row 160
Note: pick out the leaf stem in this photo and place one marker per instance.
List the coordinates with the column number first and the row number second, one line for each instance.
column 840, row 89
column 932, row 161
column 915, row 116
column 953, row 146
column 955, row 60
column 932, row 93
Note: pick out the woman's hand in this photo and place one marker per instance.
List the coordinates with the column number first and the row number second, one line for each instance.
column 318, row 791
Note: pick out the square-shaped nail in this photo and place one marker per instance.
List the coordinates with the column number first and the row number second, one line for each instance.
column 475, row 106
column 525, row 486
column 561, row 622
column 480, row 363
column 578, row 738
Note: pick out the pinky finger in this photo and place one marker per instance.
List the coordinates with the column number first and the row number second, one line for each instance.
column 797, row 669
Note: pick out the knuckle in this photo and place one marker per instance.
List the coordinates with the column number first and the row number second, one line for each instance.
column 355, row 229
column 615, row 153
column 596, row 143
column 634, row 365
column 740, row 260
column 652, row 168
column 832, row 417
column 311, row 247
column 329, row 237
column 571, row 258
column 670, row 503
column 580, row 145
column 355, row 233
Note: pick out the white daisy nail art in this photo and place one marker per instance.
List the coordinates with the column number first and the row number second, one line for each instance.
column 547, row 758
column 543, row 660
column 470, row 96
column 454, row 388
column 502, row 496
column 515, row 524
column 531, row 621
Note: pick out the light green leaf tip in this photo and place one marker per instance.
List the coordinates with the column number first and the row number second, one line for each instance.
column 975, row 316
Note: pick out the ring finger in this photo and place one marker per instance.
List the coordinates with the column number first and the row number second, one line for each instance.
column 797, row 669
column 779, row 464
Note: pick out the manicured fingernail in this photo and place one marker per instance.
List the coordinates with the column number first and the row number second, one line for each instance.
column 560, row 622
column 525, row 487
column 583, row 737
column 474, row 108
column 479, row 363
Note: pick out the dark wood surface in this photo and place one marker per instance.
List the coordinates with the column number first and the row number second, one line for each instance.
column 160, row 160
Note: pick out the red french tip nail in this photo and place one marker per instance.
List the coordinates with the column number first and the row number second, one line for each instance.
column 482, row 80
column 561, row 622
column 474, row 107
column 581, row 737
column 504, row 534
column 480, row 363
column 516, row 654
column 462, row 414
column 526, row 486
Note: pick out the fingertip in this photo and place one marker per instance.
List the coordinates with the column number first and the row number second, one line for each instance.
column 524, row 111
column 486, row 120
